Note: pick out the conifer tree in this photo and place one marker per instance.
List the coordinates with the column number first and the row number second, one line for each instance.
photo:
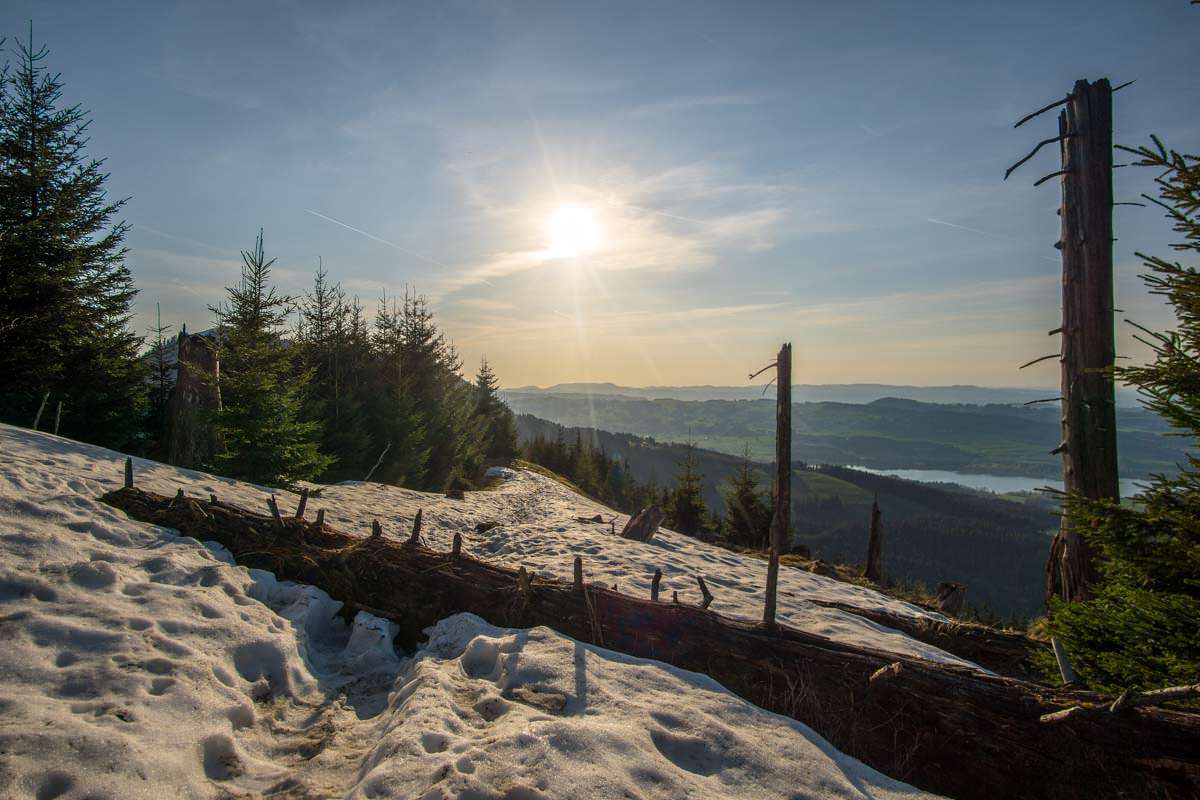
column 161, row 382
column 685, row 509
column 1142, row 627
column 395, row 407
column 499, row 426
column 325, row 340
column 747, row 515
column 65, row 306
column 259, row 422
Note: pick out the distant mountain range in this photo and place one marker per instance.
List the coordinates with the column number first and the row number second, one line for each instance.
column 888, row 433
column 813, row 393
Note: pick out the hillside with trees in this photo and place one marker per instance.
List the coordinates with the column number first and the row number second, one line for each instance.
column 995, row 545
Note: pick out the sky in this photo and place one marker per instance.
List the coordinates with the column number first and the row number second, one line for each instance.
column 646, row 193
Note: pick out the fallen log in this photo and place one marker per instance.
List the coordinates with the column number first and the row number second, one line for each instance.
column 947, row 729
column 1004, row 652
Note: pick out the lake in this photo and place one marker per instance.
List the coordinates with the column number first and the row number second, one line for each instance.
column 1000, row 484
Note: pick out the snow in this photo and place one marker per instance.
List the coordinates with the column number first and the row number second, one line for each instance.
column 137, row 663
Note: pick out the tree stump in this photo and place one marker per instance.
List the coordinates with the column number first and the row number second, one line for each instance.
column 643, row 525
column 951, row 598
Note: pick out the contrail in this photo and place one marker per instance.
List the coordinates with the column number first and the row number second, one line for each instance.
column 982, row 233
column 960, row 227
column 184, row 239
column 377, row 239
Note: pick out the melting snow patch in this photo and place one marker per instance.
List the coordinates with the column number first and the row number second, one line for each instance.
column 141, row 664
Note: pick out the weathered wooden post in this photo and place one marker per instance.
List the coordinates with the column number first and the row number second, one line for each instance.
column 302, row 504
column 128, row 472
column 274, row 506
column 57, row 417
column 874, row 570
column 414, row 538
column 38, row 418
column 1089, row 419
column 781, row 521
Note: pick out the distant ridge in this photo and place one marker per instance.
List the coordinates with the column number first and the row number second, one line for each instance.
column 817, row 393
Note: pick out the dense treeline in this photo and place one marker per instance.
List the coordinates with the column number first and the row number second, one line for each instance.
column 335, row 396
column 343, row 399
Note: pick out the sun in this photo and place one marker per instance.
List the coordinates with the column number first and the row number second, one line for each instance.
column 572, row 230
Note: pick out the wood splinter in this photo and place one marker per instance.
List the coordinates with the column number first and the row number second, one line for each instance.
column 414, row 538
column 654, row 582
column 885, row 673
column 320, row 517
column 456, row 546
column 128, row 473
column 177, row 499
column 303, row 503
column 708, row 598
column 376, row 529
column 1060, row 716
column 578, row 572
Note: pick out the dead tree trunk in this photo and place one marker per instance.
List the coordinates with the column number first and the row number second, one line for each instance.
column 1089, row 424
column 874, row 570
column 191, row 438
column 781, row 520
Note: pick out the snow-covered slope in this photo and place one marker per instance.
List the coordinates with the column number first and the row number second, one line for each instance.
column 139, row 664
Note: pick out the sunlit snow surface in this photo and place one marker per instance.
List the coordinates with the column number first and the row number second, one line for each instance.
column 135, row 663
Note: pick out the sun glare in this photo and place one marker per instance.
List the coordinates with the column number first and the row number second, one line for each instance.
column 572, row 230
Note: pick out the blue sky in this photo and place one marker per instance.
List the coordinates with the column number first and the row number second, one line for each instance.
column 824, row 173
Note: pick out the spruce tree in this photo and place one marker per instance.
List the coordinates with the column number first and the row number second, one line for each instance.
column 65, row 307
column 395, row 408
column 259, row 422
column 747, row 515
column 325, row 342
column 500, row 429
column 162, row 371
column 1142, row 627
column 685, row 510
